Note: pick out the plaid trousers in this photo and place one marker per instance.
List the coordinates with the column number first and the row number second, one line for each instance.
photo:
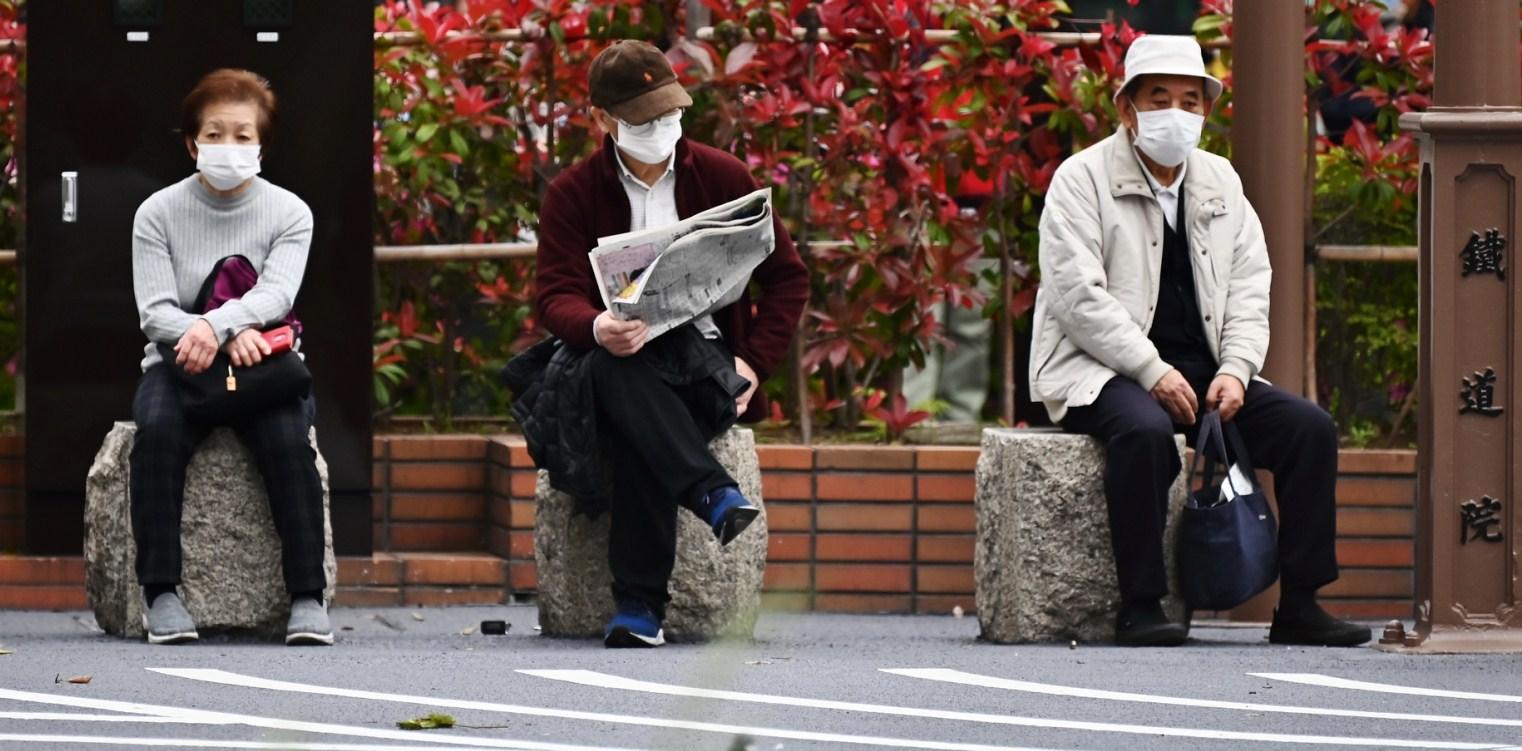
column 161, row 451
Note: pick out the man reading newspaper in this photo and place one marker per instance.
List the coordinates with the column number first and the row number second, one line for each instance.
column 622, row 417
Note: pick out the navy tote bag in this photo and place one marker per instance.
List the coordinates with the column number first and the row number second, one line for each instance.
column 1228, row 540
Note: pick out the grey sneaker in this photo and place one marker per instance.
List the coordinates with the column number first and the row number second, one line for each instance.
column 169, row 622
column 309, row 623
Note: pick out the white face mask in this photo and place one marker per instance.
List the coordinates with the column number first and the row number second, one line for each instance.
column 1168, row 135
column 226, row 166
column 653, row 142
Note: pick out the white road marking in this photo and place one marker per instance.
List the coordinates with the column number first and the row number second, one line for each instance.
column 98, row 740
column 78, row 717
column 986, row 681
column 1316, row 679
column 237, row 679
column 228, row 718
column 591, row 678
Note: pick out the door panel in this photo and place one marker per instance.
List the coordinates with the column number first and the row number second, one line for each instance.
column 108, row 108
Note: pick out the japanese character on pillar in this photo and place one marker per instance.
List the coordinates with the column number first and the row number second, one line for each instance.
column 1479, row 394
column 1479, row 518
column 1485, row 255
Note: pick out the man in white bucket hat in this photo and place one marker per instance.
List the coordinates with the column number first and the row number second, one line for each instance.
column 1153, row 304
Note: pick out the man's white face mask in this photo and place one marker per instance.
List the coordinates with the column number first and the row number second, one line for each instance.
column 653, row 142
column 1168, row 135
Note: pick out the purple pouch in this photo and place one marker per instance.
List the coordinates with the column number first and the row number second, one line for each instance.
column 231, row 278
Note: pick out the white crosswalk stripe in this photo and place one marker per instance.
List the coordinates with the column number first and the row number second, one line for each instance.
column 987, row 681
column 591, row 678
column 1316, row 679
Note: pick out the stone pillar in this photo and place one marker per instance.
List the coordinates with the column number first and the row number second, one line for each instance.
column 232, row 578
column 1044, row 564
column 715, row 590
column 1467, row 585
column 1268, row 151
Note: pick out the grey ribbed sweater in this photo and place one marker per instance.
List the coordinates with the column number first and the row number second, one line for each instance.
column 182, row 231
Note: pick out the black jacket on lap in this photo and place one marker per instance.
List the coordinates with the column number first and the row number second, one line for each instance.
column 556, row 405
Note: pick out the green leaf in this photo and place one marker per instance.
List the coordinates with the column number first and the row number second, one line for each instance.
column 430, row 722
column 426, row 131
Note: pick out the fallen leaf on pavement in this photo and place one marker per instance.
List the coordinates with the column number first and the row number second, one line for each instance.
column 416, row 616
column 467, row 631
column 429, row 722
column 4, row 651
column 80, row 679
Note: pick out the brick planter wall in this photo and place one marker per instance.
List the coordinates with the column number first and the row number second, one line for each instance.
column 12, row 496
column 853, row 529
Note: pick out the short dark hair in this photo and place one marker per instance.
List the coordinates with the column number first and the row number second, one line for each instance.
column 224, row 86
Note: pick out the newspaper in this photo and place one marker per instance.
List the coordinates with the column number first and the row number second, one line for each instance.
column 670, row 276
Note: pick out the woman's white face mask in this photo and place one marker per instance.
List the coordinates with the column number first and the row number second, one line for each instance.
column 1168, row 135
column 653, row 142
column 226, row 166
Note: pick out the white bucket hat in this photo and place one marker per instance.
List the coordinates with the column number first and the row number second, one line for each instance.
column 1161, row 54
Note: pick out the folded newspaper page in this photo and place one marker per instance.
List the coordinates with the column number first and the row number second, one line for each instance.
column 670, row 276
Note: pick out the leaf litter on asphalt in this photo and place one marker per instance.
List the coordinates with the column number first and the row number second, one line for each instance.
column 427, row 722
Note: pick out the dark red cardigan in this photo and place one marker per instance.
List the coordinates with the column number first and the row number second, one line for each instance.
column 588, row 201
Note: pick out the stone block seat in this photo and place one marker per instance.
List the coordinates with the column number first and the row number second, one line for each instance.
column 1044, row 567
column 231, row 578
column 715, row 590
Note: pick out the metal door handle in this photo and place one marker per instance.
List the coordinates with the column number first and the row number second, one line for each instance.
column 70, row 197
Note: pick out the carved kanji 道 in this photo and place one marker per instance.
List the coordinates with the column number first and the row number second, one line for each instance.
column 1479, row 394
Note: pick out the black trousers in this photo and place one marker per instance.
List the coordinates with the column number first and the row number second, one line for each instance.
column 1285, row 434
column 161, row 451
column 662, row 432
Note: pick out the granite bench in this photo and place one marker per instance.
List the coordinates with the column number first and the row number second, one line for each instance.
column 1043, row 563
column 231, row 578
column 715, row 590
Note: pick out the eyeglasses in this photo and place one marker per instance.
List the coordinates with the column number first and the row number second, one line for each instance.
column 648, row 128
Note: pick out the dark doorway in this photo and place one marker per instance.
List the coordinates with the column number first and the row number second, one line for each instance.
column 104, row 103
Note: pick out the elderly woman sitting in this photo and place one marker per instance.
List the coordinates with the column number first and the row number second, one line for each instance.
column 179, row 239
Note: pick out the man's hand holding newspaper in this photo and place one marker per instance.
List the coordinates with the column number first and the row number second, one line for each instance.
column 657, row 279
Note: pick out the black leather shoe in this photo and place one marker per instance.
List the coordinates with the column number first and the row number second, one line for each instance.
column 1316, row 628
column 1143, row 624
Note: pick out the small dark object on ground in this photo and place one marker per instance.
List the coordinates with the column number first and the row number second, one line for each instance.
column 495, row 628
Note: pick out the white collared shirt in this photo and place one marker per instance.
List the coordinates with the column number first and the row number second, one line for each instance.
column 1167, row 196
column 655, row 206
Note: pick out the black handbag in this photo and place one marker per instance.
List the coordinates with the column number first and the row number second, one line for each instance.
column 1228, row 541
column 225, row 393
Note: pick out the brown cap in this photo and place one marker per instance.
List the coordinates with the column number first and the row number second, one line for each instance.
column 633, row 81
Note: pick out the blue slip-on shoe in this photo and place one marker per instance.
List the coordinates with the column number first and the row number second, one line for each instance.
column 633, row 626
column 728, row 512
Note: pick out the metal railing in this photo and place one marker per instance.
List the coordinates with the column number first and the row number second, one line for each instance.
column 710, row 33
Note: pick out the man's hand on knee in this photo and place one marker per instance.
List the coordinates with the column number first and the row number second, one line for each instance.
column 1226, row 394
column 1177, row 397
column 622, row 338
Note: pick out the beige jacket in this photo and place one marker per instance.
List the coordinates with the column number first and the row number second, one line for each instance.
column 1101, row 263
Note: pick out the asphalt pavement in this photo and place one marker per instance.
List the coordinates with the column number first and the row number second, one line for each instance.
column 808, row 681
